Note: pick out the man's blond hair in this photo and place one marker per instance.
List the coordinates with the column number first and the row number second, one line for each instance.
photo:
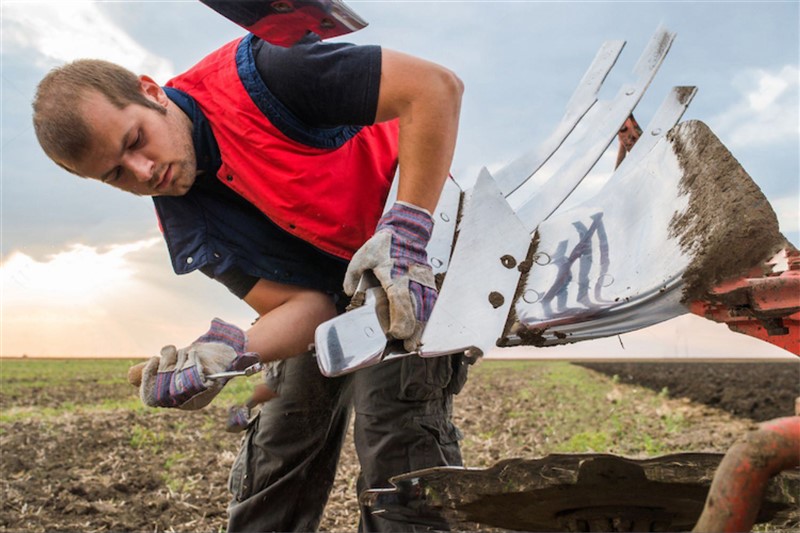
column 61, row 130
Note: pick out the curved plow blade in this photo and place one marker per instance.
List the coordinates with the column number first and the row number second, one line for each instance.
column 662, row 233
column 659, row 238
column 597, row 132
column 476, row 273
column 516, row 173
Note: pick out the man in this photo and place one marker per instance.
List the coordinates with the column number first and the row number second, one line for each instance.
column 627, row 136
column 269, row 168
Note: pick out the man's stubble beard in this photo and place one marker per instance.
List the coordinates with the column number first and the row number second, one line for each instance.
column 186, row 171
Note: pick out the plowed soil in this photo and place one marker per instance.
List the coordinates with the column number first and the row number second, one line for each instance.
column 86, row 469
column 758, row 392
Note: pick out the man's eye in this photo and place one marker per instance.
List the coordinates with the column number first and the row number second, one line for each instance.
column 138, row 141
column 114, row 176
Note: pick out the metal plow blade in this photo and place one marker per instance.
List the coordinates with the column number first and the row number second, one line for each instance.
column 474, row 284
column 677, row 223
column 663, row 232
column 577, row 492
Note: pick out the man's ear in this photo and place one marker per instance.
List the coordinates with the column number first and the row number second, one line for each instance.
column 152, row 90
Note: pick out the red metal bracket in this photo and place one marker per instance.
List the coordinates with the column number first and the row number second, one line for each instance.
column 764, row 306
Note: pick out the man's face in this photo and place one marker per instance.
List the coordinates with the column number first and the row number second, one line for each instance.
column 138, row 149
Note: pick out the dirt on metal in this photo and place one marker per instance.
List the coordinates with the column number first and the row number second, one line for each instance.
column 729, row 226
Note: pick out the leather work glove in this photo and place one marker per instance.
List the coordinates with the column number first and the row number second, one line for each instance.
column 396, row 255
column 177, row 377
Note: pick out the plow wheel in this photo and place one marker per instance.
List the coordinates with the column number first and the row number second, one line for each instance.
column 585, row 492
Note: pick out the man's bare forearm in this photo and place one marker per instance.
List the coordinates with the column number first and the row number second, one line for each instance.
column 426, row 98
column 288, row 329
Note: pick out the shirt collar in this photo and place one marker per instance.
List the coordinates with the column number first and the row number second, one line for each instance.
column 205, row 145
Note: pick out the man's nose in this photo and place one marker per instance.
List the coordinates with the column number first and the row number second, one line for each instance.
column 140, row 166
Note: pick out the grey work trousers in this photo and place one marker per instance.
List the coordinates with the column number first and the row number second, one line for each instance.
column 283, row 474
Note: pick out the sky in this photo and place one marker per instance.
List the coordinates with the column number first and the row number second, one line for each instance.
column 85, row 272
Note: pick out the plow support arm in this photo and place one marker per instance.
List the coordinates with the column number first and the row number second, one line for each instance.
column 740, row 481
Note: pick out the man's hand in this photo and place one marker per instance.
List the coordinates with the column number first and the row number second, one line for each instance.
column 396, row 255
column 178, row 377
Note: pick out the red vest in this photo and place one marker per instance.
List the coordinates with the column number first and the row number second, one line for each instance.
column 331, row 198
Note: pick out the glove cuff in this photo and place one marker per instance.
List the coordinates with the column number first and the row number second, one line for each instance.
column 413, row 207
column 225, row 333
column 409, row 219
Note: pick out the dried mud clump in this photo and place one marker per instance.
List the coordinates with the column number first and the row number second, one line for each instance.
column 729, row 226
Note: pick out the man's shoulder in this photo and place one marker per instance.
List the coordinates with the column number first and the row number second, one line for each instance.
column 322, row 83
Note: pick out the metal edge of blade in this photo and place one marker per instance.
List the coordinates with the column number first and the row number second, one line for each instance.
column 648, row 309
column 668, row 114
column 598, row 135
column 515, row 174
column 336, row 356
column 345, row 15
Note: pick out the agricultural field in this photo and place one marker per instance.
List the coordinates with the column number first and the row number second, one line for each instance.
column 80, row 452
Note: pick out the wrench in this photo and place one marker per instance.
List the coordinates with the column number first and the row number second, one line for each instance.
column 249, row 371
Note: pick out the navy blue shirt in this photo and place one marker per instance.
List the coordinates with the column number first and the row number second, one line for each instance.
column 211, row 227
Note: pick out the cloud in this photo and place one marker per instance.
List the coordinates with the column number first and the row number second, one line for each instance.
column 64, row 31
column 81, row 275
column 119, row 300
column 768, row 110
column 68, row 304
column 788, row 210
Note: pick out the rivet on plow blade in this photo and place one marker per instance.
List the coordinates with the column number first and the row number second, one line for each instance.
column 282, row 7
column 496, row 299
column 508, row 261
